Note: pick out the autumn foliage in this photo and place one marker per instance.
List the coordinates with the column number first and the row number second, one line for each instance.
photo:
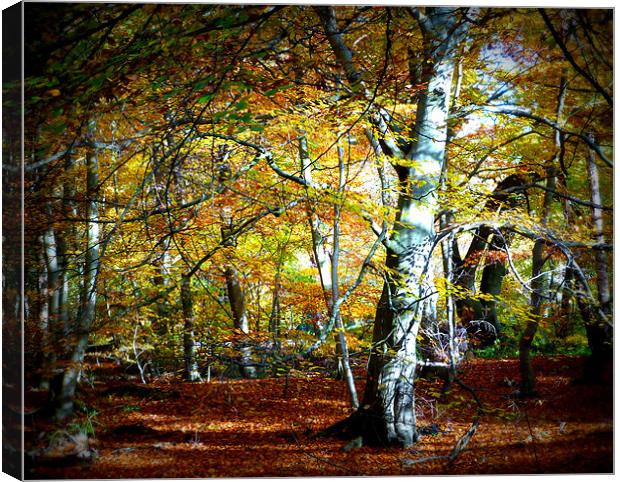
column 297, row 241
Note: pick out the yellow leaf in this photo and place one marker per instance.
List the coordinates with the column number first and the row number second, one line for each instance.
column 54, row 92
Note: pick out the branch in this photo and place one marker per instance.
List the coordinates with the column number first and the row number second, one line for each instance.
column 87, row 33
column 528, row 115
column 336, row 306
column 568, row 56
column 480, row 161
column 234, row 233
column 511, row 226
column 524, row 187
column 549, row 236
column 216, row 23
column 422, row 19
column 344, row 56
column 341, row 51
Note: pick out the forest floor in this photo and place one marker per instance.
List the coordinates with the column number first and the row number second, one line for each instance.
column 241, row 428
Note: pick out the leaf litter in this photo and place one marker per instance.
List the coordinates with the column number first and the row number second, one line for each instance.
column 248, row 428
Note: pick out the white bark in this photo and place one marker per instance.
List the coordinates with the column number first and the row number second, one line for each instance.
column 602, row 277
column 317, row 227
column 389, row 398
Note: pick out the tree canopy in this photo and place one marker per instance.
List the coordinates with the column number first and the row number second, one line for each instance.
column 247, row 190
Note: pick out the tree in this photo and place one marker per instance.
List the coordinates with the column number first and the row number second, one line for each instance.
column 232, row 141
column 387, row 413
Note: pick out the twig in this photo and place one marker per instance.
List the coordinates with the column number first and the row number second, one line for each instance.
column 464, row 440
column 529, row 427
column 425, row 459
column 325, row 461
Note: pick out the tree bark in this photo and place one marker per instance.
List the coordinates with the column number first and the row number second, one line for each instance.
column 344, row 361
column 493, row 275
column 236, row 296
column 471, row 309
column 387, row 412
column 602, row 277
column 54, row 301
column 190, row 369
column 599, row 334
column 47, row 360
column 528, row 379
column 317, row 227
column 88, row 293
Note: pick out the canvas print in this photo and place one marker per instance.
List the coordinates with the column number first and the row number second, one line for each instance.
column 306, row 240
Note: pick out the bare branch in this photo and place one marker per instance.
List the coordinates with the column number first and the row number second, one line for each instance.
column 576, row 200
column 587, row 139
column 569, row 57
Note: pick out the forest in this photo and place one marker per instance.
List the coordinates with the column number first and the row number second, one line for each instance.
column 288, row 240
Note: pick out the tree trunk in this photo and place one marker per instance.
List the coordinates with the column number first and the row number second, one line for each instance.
column 565, row 326
column 599, row 333
column 327, row 276
column 190, row 369
column 160, row 319
column 317, row 228
column 387, row 413
column 54, row 299
column 236, row 297
column 275, row 315
column 344, row 361
column 491, row 284
column 528, row 379
column 47, row 351
column 600, row 256
column 88, row 294
column 67, row 210
column 471, row 309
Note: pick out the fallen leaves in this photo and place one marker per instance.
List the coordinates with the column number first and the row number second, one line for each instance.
column 196, row 432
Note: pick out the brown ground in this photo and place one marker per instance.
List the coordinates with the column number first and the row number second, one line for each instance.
column 252, row 428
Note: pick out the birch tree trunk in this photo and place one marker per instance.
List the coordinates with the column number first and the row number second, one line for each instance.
column 47, row 350
column 602, row 277
column 328, row 270
column 317, row 227
column 54, row 299
column 344, row 362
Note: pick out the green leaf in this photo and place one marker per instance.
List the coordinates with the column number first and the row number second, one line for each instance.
column 57, row 127
column 242, row 104
column 205, row 98
column 201, row 84
column 271, row 92
column 97, row 82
